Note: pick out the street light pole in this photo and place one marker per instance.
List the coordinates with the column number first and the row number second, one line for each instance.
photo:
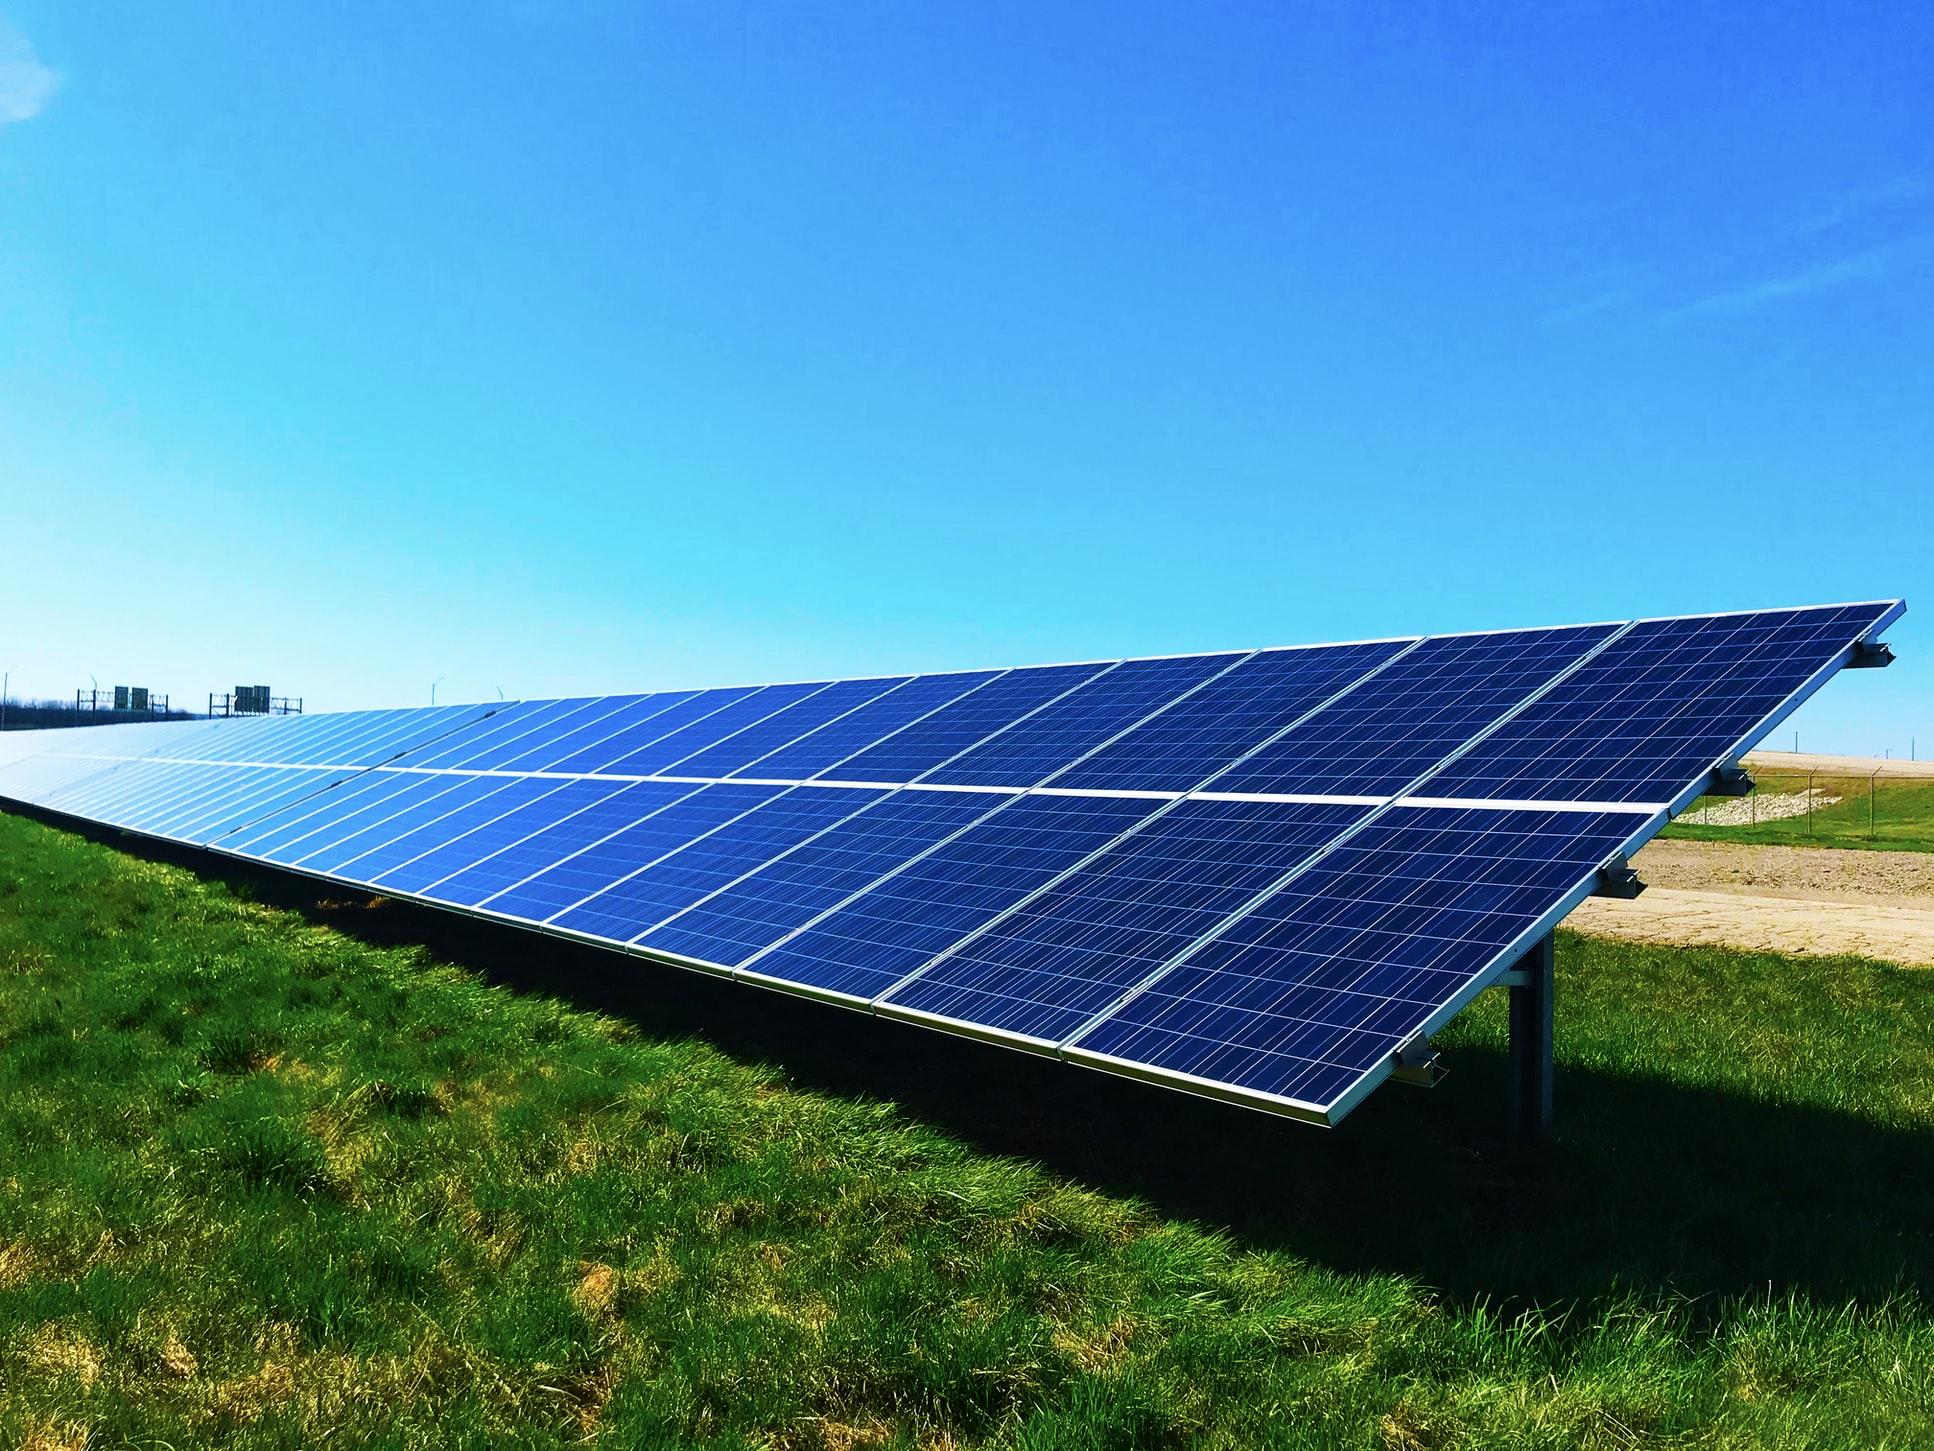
column 434, row 684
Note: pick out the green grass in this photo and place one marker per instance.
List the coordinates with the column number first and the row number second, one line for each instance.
column 1894, row 814
column 269, row 1176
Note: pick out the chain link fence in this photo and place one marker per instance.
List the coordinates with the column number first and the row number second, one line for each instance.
column 1820, row 805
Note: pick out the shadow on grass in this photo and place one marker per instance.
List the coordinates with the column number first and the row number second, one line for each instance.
column 1650, row 1186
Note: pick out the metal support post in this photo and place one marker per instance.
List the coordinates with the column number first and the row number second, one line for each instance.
column 1531, row 994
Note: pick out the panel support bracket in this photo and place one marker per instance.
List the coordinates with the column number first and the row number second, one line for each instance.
column 1530, row 985
column 1418, row 1064
column 1729, row 781
column 1618, row 879
column 1871, row 655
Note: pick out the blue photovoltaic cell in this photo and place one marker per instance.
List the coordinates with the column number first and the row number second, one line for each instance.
column 312, row 812
column 871, row 942
column 118, row 786
column 1656, row 709
column 1049, row 966
column 610, row 718
column 79, row 782
column 36, row 779
column 160, row 811
column 428, row 797
column 1332, row 975
column 477, row 801
column 368, row 738
column 235, row 795
column 61, row 787
column 637, row 846
column 796, row 886
column 281, row 788
column 386, row 735
column 746, row 747
column 752, row 710
column 820, row 751
column 1233, row 714
column 210, row 740
column 555, row 842
column 526, row 837
column 953, row 728
column 256, row 737
column 272, row 738
column 629, row 907
column 650, row 718
column 509, row 733
column 83, row 790
column 70, row 757
column 341, row 813
column 1032, row 750
column 28, row 757
column 107, row 797
column 160, row 805
column 147, row 788
column 353, row 738
column 1380, row 736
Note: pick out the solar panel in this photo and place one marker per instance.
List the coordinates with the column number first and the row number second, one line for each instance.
column 643, row 897
column 1264, row 876
column 1299, row 998
column 1647, row 717
column 1423, row 705
column 880, row 720
column 552, row 836
column 525, row 838
column 1080, row 722
column 748, row 746
column 861, row 947
column 770, row 902
column 1177, row 748
column 1051, row 962
column 957, row 727
column 415, row 840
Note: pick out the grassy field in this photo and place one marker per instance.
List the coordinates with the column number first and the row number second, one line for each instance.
column 1884, row 815
column 271, row 1173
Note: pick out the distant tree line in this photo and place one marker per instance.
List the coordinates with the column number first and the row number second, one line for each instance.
column 33, row 715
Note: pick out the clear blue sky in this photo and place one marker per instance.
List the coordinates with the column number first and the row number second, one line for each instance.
column 567, row 347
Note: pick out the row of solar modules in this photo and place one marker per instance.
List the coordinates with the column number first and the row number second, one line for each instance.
column 1083, row 859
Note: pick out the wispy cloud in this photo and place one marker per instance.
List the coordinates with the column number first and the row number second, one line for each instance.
column 1861, row 234
column 1860, row 202
column 1604, row 290
column 1765, row 291
column 26, row 84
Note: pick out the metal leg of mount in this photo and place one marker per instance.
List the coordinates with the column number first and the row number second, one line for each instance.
column 1531, row 992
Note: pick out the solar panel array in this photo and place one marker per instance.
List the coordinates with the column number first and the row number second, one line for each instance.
column 1255, row 875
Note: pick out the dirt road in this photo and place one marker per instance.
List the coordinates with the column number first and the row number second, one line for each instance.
column 1803, row 873
column 1813, row 901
